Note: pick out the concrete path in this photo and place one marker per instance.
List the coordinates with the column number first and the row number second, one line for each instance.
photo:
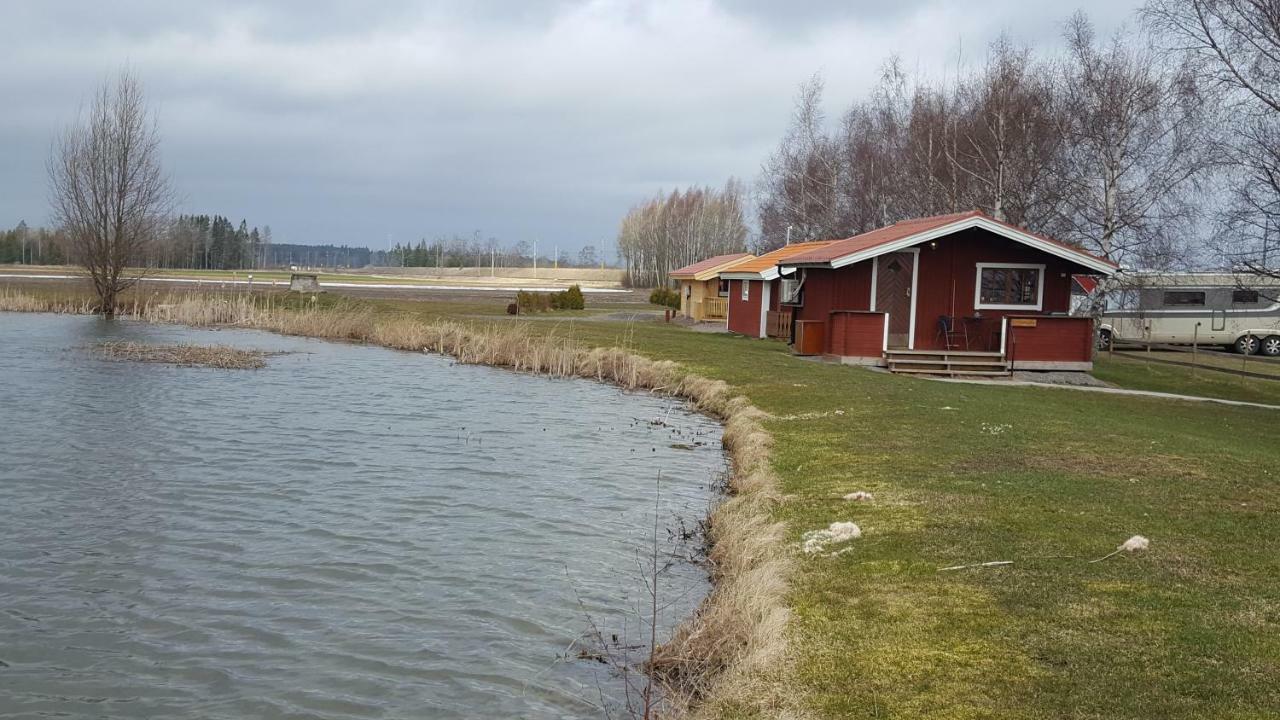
column 1108, row 390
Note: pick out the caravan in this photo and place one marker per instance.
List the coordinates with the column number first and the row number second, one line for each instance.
column 1237, row 310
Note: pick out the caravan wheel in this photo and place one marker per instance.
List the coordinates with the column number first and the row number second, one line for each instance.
column 1247, row 345
column 1271, row 346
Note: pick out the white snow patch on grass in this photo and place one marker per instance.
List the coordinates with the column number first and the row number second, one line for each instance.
column 815, row 541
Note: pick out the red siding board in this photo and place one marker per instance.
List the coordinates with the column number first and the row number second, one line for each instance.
column 856, row 334
column 1063, row 339
column 744, row 317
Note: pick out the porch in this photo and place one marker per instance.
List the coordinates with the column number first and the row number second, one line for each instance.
column 1020, row 342
column 714, row 308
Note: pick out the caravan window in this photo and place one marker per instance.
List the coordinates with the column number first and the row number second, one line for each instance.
column 1184, row 297
column 1244, row 297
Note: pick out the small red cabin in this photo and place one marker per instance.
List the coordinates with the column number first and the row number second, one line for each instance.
column 952, row 293
column 754, row 299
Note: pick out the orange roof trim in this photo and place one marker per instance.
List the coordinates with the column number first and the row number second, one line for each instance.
column 765, row 267
column 691, row 272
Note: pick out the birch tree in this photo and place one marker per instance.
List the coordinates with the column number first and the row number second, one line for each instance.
column 1134, row 147
column 1234, row 45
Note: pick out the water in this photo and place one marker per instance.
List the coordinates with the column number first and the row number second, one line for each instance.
column 351, row 532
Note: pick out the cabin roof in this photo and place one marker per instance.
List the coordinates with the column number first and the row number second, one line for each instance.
column 708, row 268
column 907, row 233
column 765, row 267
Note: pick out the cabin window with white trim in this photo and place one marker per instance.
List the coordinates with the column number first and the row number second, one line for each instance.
column 1009, row 287
column 746, row 290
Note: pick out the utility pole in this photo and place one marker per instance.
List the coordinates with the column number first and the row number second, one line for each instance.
column 535, row 258
column 493, row 261
column 556, row 260
column 788, row 234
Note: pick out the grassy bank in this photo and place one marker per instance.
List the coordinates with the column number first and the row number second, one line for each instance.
column 1138, row 374
column 1047, row 479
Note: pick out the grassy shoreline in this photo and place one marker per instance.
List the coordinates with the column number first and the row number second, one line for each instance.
column 1046, row 479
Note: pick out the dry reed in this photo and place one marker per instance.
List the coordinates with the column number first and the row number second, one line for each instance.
column 729, row 654
column 212, row 356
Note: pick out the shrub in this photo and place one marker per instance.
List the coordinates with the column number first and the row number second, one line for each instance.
column 571, row 299
column 665, row 296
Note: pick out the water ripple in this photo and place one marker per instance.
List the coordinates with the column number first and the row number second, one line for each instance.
column 348, row 533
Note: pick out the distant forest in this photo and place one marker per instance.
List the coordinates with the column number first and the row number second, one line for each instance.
column 214, row 242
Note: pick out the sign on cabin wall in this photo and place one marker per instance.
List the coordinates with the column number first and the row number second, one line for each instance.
column 1022, row 322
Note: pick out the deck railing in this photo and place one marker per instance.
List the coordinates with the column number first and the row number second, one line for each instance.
column 715, row 308
column 778, row 324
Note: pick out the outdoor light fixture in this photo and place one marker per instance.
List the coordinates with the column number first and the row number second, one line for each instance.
column 933, row 244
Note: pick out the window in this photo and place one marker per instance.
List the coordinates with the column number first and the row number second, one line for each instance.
column 1244, row 297
column 1184, row 297
column 746, row 290
column 688, row 290
column 724, row 288
column 1009, row 287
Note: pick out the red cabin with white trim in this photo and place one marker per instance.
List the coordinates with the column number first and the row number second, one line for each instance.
column 945, row 293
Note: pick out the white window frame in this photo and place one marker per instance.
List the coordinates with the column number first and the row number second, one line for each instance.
column 977, row 286
column 745, row 293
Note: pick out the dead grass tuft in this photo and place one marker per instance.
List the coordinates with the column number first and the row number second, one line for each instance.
column 212, row 356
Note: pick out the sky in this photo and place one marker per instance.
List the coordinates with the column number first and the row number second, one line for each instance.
column 368, row 123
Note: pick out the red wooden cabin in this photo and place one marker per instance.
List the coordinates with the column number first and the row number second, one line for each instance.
column 953, row 293
column 754, row 308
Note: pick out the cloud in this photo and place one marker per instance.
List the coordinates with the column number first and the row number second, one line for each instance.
column 351, row 122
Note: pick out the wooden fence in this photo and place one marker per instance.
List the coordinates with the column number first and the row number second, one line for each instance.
column 715, row 308
column 778, row 324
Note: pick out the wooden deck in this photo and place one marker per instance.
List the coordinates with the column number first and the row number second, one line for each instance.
column 946, row 362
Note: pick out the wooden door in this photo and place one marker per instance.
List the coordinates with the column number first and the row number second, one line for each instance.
column 894, row 284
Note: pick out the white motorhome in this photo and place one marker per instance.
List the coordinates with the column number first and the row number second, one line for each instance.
column 1237, row 310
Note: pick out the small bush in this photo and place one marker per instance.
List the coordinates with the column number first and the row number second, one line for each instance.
column 571, row 299
column 665, row 296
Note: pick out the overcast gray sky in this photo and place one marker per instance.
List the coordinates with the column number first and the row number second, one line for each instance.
column 349, row 122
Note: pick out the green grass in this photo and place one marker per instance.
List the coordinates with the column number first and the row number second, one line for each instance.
column 1187, row 629
column 1138, row 374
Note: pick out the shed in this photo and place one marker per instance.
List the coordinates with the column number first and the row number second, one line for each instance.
column 703, row 296
column 304, row 282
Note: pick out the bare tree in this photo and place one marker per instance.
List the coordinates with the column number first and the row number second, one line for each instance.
column 1008, row 139
column 800, row 180
column 680, row 228
column 1136, row 145
column 108, row 192
column 1235, row 46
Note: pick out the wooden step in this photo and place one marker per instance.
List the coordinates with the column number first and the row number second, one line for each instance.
column 950, row 373
column 980, row 363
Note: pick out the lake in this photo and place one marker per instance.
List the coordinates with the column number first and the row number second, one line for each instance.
column 351, row 532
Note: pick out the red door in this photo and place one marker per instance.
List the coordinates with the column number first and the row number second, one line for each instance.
column 894, row 280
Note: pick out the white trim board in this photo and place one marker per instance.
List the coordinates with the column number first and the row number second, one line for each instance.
column 764, row 308
column 1080, row 258
column 977, row 285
